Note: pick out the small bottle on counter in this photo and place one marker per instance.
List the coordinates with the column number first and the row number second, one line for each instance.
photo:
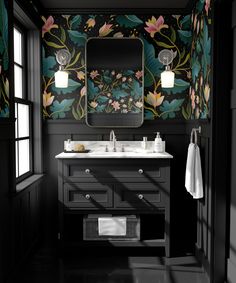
column 144, row 143
column 158, row 146
column 68, row 146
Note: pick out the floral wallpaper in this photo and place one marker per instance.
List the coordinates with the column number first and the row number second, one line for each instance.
column 198, row 106
column 4, row 61
column 188, row 36
column 156, row 31
column 112, row 91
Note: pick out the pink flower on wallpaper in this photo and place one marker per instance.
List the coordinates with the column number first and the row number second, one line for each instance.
column 116, row 105
column 193, row 99
column 94, row 74
column 207, row 91
column 139, row 74
column 154, row 99
column 105, row 29
column 47, row 99
column 207, row 6
column 93, row 104
column 91, row 22
column 83, row 91
column 48, row 25
column 155, row 25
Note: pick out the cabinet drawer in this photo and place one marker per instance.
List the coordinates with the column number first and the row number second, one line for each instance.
column 128, row 170
column 138, row 195
column 83, row 195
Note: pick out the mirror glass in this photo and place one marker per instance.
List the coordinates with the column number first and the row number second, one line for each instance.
column 114, row 82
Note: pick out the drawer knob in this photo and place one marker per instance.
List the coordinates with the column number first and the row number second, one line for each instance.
column 87, row 171
column 140, row 196
column 140, row 171
column 87, row 196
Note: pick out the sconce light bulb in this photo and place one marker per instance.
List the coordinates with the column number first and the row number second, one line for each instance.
column 61, row 78
column 167, row 78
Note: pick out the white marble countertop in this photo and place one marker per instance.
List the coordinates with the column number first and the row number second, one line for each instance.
column 97, row 149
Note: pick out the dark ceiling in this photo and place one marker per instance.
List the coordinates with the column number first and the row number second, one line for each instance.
column 115, row 4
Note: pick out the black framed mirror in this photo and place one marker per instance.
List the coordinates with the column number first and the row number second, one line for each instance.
column 114, row 82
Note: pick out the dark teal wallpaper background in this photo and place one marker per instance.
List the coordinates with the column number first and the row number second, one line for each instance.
column 180, row 33
column 4, row 61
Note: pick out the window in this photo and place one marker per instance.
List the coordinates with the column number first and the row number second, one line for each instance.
column 23, row 107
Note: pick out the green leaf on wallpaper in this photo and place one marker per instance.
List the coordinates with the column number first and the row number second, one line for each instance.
column 107, row 79
column 53, row 44
column 75, row 60
column 128, row 73
column 148, row 115
column 173, row 34
column 186, row 60
column 137, row 90
column 4, row 35
column 186, row 112
column 152, row 65
column 4, row 113
column 48, row 65
column 168, row 109
column 185, row 36
column 119, row 93
column 92, row 90
column 128, row 21
column 77, row 38
column 163, row 44
column 75, row 22
column 72, row 86
column 196, row 67
column 186, row 22
column 199, row 6
column 102, row 99
column 180, row 85
column 63, row 34
column 100, row 108
column 182, row 53
column 58, row 109
column 206, row 47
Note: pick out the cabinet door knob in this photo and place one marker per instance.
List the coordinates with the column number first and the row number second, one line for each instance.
column 140, row 196
column 140, row 171
column 87, row 196
column 87, row 171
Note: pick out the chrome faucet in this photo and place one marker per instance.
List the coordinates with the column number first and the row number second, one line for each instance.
column 113, row 140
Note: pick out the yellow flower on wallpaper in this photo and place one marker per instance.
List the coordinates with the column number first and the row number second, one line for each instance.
column 47, row 99
column 91, row 22
column 154, row 99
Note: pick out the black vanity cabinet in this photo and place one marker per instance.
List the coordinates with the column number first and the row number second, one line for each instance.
column 135, row 188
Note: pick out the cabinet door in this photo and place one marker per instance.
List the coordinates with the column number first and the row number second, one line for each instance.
column 88, row 195
column 140, row 195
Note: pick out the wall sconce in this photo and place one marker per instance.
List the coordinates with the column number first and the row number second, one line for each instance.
column 167, row 77
column 61, row 76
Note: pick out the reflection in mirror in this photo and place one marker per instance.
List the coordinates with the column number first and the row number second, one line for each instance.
column 114, row 81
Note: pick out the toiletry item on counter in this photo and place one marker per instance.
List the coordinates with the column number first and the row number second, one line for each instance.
column 68, row 145
column 144, row 143
column 158, row 145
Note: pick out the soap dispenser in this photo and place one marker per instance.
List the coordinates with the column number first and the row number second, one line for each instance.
column 157, row 143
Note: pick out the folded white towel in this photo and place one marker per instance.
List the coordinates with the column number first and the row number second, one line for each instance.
column 193, row 174
column 112, row 226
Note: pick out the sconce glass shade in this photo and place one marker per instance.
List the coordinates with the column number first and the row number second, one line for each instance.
column 61, row 79
column 167, row 78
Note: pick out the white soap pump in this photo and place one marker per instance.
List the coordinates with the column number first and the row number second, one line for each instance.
column 158, row 143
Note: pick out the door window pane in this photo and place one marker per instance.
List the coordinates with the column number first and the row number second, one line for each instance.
column 17, row 47
column 23, row 120
column 24, row 162
column 18, row 81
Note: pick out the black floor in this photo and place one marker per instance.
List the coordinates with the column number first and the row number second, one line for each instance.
column 99, row 267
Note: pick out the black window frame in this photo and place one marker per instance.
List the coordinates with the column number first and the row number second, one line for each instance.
column 24, row 101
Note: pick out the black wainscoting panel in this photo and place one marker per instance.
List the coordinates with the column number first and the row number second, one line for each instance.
column 176, row 134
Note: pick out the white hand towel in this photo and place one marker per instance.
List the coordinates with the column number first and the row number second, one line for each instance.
column 112, row 226
column 193, row 174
